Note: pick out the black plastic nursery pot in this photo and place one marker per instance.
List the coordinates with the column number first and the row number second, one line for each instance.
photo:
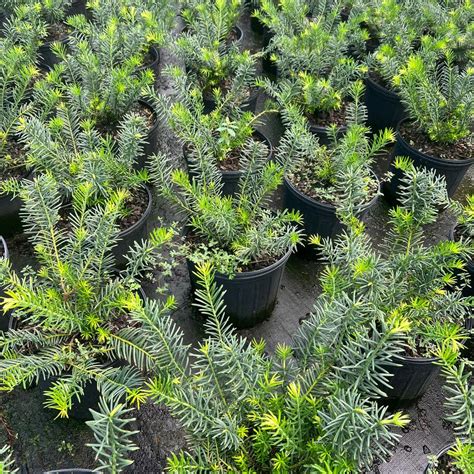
column 134, row 233
column 439, row 456
column 47, row 59
column 78, row 7
column 324, row 135
column 319, row 218
column 250, row 297
column 230, row 179
column 153, row 60
column 151, row 139
column 10, row 221
column 452, row 170
column 411, row 378
column 384, row 107
column 5, row 318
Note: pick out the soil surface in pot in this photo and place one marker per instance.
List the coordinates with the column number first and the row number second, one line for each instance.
column 57, row 32
column 446, row 466
column 232, row 161
column 14, row 167
column 139, row 108
column 325, row 119
column 462, row 149
column 195, row 241
column 136, row 206
column 312, row 186
column 378, row 79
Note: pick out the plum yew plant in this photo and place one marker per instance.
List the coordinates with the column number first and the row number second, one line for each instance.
column 126, row 28
column 338, row 173
column 17, row 73
column 75, row 315
column 460, row 406
column 439, row 97
column 231, row 231
column 73, row 151
column 406, row 277
column 301, row 409
column 209, row 51
column 49, row 11
column 103, row 89
column 315, row 46
column 219, row 133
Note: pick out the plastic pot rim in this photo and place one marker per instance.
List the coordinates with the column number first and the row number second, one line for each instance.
column 329, row 207
column 391, row 95
column 143, row 218
column 155, row 53
column 454, row 163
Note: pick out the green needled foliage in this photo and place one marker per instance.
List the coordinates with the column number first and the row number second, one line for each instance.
column 247, row 411
column 77, row 316
column 17, row 73
column 340, row 172
column 7, row 462
column 49, row 11
column 408, row 278
column 460, row 406
column 224, row 131
column 73, row 151
column 231, row 231
column 439, row 97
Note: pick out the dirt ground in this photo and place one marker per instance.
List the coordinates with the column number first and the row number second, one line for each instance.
column 42, row 443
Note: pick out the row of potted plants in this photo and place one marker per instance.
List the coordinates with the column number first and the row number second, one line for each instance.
column 84, row 329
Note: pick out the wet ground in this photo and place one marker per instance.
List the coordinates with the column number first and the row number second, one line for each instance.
column 42, row 443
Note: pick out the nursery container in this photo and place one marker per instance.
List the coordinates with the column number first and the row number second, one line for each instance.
column 136, row 232
column 323, row 133
column 319, row 218
column 154, row 60
column 10, row 221
column 411, row 378
column 78, row 7
column 438, row 456
column 5, row 318
column 384, row 107
column 151, row 139
column 452, row 170
column 249, row 296
column 230, row 179
column 47, row 59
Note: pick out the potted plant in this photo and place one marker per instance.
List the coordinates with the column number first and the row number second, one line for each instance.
column 320, row 178
column 17, row 75
column 409, row 278
column 303, row 408
column 315, row 72
column 101, row 90
column 74, row 152
column 439, row 99
column 212, row 57
column 78, row 320
column 131, row 31
column 458, row 457
column 247, row 243
column 48, row 21
column 220, row 135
